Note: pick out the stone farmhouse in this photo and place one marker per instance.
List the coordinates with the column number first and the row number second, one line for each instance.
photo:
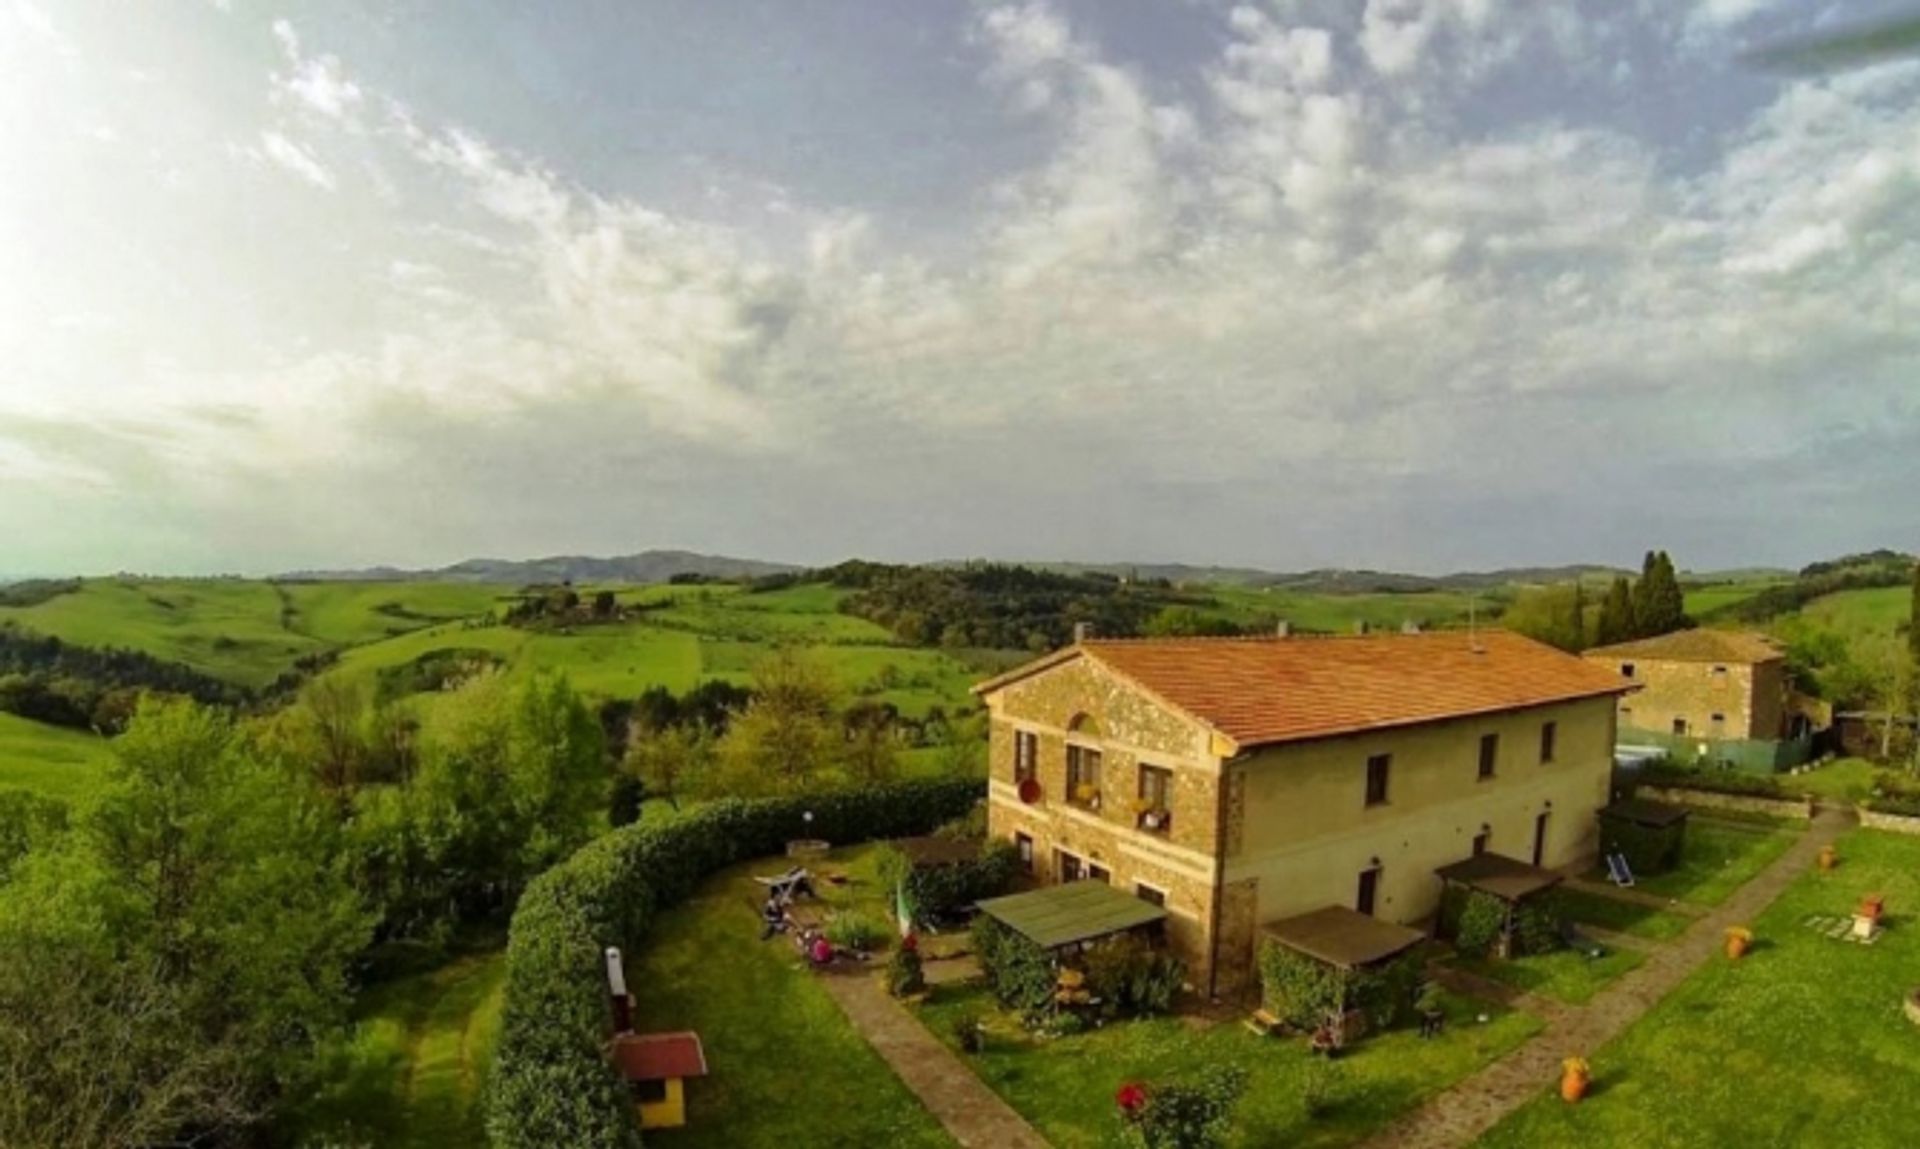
column 1701, row 684
column 1242, row 781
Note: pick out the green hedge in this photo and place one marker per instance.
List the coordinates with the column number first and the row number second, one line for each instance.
column 940, row 891
column 1019, row 972
column 1712, row 781
column 552, row 1084
column 1648, row 849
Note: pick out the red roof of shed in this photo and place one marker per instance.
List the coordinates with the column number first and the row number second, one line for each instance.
column 658, row 1056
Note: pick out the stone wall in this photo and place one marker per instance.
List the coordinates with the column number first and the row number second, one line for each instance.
column 1893, row 823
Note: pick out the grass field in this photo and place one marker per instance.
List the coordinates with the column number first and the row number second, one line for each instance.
column 1621, row 916
column 1565, row 974
column 1844, row 781
column 413, row 1072
column 1337, row 613
column 50, row 760
column 1717, row 859
column 1703, row 600
column 241, row 631
column 787, row 1069
column 1802, row 1042
column 1065, row 1086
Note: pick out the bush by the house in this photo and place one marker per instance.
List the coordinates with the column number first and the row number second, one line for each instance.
column 1020, row 973
column 1536, row 925
column 1303, row 992
column 1129, row 977
column 1196, row 1114
column 1474, row 920
column 552, row 1084
column 854, row 932
column 939, row 891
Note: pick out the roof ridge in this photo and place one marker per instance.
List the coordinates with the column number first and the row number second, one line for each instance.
column 1296, row 636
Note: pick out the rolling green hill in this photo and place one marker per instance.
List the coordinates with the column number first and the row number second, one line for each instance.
column 247, row 633
column 49, row 760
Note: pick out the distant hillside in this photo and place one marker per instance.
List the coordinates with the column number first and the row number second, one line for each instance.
column 645, row 567
column 1328, row 580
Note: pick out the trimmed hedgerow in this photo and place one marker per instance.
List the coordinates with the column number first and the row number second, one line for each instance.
column 1713, row 781
column 552, row 1083
column 1019, row 972
column 1303, row 991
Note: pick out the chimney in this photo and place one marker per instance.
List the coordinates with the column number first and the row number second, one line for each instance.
column 1360, row 627
column 617, row 987
column 1283, row 629
column 1082, row 631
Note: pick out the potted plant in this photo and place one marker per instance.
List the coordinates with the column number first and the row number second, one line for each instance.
column 1739, row 939
column 1575, row 1076
column 1828, row 856
column 1088, row 795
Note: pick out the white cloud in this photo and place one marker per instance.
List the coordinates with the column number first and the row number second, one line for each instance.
column 296, row 159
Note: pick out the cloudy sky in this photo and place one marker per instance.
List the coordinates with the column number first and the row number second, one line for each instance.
column 1425, row 284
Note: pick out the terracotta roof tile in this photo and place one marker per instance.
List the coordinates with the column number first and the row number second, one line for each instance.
column 1694, row 646
column 1264, row 690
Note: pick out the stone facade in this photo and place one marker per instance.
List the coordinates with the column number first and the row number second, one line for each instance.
column 1796, row 808
column 1283, row 830
column 1704, row 700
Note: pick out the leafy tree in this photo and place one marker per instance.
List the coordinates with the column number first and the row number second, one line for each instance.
column 786, row 736
column 604, row 604
column 168, row 968
column 1552, row 614
column 673, row 762
column 1617, row 622
column 872, row 739
column 1187, row 621
column 27, row 821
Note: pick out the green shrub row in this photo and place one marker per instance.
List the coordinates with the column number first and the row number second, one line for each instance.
column 552, row 1084
column 1712, row 781
column 937, row 892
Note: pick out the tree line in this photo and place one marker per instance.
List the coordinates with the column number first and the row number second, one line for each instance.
column 52, row 681
column 1563, row 616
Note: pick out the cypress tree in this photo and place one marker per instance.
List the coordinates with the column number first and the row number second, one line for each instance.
column 1642, row 601
column 1616, row 613
column 1665, row 608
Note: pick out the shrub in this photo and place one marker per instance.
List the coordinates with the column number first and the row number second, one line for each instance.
column 1194, row 1114
column 1131, row 977
column 854, row 932
column 940, row 891
column 1298, row 989
column 1665, row 773
column 1648, row 849
column 904, row 972
column 552, row 1083
column 1536, row 925
column 1482, row 919
column 970, row 1031
column 1322, row 1089
column 1020, row 973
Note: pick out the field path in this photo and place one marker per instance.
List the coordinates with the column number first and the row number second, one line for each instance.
column 1461, row 1114
column 974, row 1115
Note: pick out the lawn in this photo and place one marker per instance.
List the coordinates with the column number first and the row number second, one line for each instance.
column 1703, row 600
column 1844, row 781
column 412, row 1074
column 1065, row 1086
column 1803, row 1042
column 349, row 613
column 1621, row 916
column 1717, row 859
column 1337, row 613
column 50, row 760
column 1564, row 974
column 1858, row 612
column 787, row 1069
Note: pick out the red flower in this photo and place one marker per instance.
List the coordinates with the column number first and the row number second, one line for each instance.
column 910, row 943
column 1132, row 1097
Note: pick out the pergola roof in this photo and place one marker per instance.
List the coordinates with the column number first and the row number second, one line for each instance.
column 1055, row 916
column 932, row 851
column 1508, row 879
column 1343, row 937
column 1639, row 811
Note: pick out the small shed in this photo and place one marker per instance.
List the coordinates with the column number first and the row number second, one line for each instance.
column 1649, row 835
column 656, row 1067
column 1074, row 914
column 1335, row 962
column 1509, row 881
